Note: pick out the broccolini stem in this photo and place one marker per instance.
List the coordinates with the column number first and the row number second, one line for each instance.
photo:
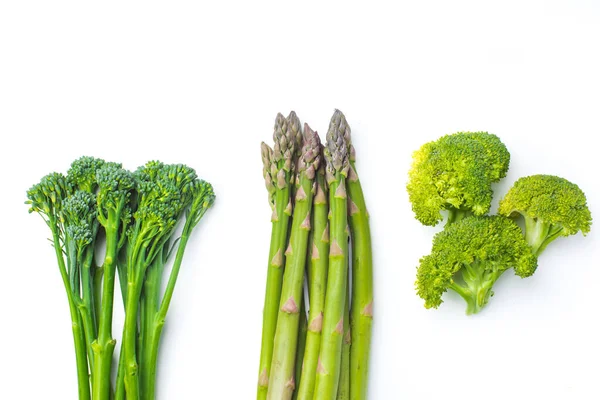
column 362, row 292
column 148, row 309
column 120, row 384
column 131, row 367
column 78, row 335
column 85, row 305
column 157, row 320
column 317, row 281
column 105, row 344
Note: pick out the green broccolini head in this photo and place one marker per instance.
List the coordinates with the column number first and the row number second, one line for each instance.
column 469, row 256
column 79, row 216
column 455, row 173
column 551, row 206
column 202, row 199
column 46, row 197
column 82, row 173
column 115, row 185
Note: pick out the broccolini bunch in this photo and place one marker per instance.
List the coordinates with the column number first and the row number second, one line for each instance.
column 136, row 214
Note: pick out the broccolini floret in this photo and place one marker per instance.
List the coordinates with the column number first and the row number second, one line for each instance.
column 455, row 173
column 551, row 207
column 469, row 256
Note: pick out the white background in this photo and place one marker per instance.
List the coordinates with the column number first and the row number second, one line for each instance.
column 202, row 83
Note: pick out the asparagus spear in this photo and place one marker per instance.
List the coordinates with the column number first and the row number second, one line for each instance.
column 362, row 290
column 336, row 155
column 286, row 336
column 277, row 171
column 317, row 280
column 302, row 329
column 344, row 385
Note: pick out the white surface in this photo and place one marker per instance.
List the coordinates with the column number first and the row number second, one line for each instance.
column 201, row 84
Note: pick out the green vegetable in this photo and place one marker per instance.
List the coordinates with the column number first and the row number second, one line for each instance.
column 362, row 290
column 278, row 172
column 300, row 349
column 551, row 207
column 282, row 380
column 317, row 281
column 343, row 392
column 469, row 256
column 136, row 213
column 455, row 173
column 46, row 198
column 338, row 165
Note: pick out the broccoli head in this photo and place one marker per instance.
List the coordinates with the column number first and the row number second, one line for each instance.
column 455, row 173
column 469, row 256
column 551, row 206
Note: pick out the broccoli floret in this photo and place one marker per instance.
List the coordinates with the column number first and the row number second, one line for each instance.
column 551, row 206
column 455, row 173
column 469, row 256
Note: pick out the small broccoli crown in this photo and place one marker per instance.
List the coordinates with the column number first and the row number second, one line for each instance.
column 497, row 155
column 550, row 199
column 46, row 197
column 82, row 173
column 449, row 173
column 491, row 244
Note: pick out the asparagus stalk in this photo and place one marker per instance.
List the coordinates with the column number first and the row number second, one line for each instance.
column 317, row 280
column 286, row 336
column 344, row 385
column 302, row 329
column 362, row 291
column 336, row 155
column 277, row 171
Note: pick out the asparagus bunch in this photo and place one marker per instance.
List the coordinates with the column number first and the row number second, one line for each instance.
column 325, row 203
column 137, row 214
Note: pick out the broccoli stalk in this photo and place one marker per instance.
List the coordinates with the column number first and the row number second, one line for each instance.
column 551, row 207
column 455, row 173
column 469, row 256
